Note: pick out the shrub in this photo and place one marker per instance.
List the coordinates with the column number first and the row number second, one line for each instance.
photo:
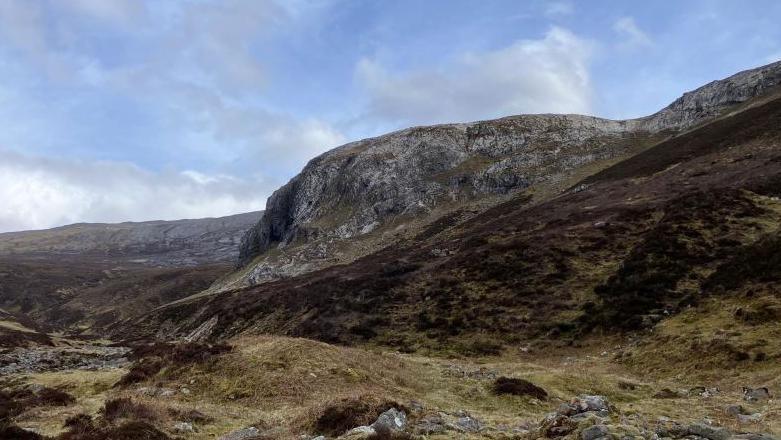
column 140, row 371
column 12, row 432
column 125, row 408
column 518, row 387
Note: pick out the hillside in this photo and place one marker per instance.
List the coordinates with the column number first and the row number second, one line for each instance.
column 154, row 243
column 79, row 278
column 640, row 241
column 358, row 198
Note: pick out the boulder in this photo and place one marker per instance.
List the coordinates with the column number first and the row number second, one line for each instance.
column 756, row 394
column 709, row 432
column 594, row 432
column 392, row 419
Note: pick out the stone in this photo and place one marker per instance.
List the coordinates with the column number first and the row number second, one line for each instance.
column 756, row 394
column 594, row 432
column 359, row 433
column 242, row 434
column 429, row 425
column 391, row 419
column 468, row 424
column 709, row 432
column 749, row 418
column 183, row 427
column 735, row 410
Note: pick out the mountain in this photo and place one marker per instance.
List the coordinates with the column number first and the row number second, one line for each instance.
column 360, row 197
column 81, row 277
column 154, row 243
column 642, row 239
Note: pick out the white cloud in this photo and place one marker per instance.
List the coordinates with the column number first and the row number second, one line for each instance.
column 530, row 76
column 632, row 36
column 41, row 193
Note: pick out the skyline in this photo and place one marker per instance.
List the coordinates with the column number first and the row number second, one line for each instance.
column 129, row 111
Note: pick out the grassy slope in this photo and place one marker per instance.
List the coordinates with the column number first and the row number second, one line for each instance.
column 287, row 383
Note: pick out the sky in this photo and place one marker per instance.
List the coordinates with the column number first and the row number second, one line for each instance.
column 130, row 110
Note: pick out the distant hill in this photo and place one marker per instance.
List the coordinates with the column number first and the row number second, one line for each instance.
column 155, row 243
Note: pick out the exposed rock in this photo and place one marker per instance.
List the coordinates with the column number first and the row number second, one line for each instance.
column 594, row 432
column 391, row 419
column 709, row 432
column 359, row 433
column 39, row 359
column 183, row 427
column 755, row 394
column 242, row 434
column 468, row 424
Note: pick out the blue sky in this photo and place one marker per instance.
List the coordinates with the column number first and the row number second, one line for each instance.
column 129, row 110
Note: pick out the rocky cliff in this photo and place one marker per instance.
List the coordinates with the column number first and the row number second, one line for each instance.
column 359, row 187
column 156, row 243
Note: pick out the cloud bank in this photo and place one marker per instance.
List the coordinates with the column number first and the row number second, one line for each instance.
column 549, row 75
column 41, row 193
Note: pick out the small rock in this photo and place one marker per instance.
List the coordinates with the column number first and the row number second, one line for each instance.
column 594, row 432
column 755, row 394
column 709, row 432
column 735, row 410
column 359, row 433
column 433, row 424
column 184, row 390
column 166, row 392
column 468, row 424
column 242, row 434
column 749, row 418
column 184, row 427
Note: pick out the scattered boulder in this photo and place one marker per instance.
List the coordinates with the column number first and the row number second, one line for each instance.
column 391, row 419
column 242, row 434
column 756, row 394
column 709, row 432
column 183, row 427
column 594, row 432
column 468, row 424
column 359, row 433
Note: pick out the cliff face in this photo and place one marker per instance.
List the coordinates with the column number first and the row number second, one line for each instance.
column 358, row 187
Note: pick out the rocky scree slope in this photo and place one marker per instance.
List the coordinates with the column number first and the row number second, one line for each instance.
column 379, row 183
column 646, row 239
column 155, row 243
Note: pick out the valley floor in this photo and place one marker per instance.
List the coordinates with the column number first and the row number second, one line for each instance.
column 288, row 387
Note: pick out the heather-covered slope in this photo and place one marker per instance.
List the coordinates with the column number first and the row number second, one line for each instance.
column 619, row 252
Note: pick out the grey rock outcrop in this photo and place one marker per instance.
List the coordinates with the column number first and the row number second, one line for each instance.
column 362, row 186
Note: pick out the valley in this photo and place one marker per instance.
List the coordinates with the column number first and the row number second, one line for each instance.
column 536, row 276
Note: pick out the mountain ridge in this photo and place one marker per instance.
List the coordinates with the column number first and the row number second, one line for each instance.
column 372, row 185
column 185, row 242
